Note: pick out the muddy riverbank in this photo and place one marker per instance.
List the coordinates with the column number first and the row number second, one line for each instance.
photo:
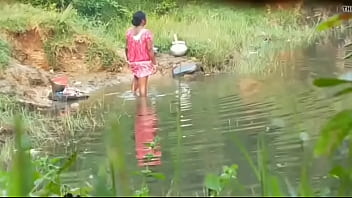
column 30, row 85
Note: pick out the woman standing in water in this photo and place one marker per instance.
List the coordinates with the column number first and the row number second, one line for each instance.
column 139, row 53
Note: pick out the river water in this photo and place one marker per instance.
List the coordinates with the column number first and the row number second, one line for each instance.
column 215, row 111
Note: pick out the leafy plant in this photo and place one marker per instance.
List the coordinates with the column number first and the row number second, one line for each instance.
column 334, row 21
column 165, row 7
column 216, row 184
column 50, row 4
column 101, row 10
column 28, row 177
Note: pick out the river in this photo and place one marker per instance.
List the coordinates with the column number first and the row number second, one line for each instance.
column 215, row 111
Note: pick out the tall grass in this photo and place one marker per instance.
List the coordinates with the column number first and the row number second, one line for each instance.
column 5, row 54
column 222, row 37
column 61, row 31
column 41, row 128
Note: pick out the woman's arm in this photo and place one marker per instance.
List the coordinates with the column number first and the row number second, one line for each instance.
column 150, row 46
column 126, row 51
column 151, row 52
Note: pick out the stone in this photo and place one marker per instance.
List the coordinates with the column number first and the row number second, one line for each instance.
column 186, row 68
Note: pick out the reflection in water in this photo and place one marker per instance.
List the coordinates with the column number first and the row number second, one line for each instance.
column 145, row 134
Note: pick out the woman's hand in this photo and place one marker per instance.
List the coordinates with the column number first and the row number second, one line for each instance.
column 155, row 68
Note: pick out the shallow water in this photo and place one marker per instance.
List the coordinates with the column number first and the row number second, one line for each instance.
column 217, row 110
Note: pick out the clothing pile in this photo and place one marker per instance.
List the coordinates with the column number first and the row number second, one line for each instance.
column 62, row 92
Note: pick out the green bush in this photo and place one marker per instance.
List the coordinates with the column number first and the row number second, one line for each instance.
column 58, row 4
column 165, row 7
column 101, row 10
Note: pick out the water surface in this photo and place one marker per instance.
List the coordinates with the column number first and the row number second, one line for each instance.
column 215, row 111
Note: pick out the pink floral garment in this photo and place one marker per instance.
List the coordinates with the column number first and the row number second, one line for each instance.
column 138, row 56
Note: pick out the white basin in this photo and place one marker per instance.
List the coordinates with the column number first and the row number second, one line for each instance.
column 178, row 48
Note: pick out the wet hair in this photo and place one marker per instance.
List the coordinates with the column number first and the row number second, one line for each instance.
column 138, row 17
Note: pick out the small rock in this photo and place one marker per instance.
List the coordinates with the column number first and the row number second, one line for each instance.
column 77, row 83
column 74, row 106
column 304, row 136
column 188, row 68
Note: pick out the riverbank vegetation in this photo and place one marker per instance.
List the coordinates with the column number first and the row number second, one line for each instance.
column 91, row 33
column 44, row 128
column 223, row 38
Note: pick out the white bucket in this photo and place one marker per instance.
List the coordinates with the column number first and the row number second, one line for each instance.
column 178, row 48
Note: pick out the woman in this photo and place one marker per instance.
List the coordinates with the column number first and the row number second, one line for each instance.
column 139, row 53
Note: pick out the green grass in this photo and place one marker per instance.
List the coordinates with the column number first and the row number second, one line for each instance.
column 44, row 130
column 5, row 54
column 61, row 32
column 223, row 36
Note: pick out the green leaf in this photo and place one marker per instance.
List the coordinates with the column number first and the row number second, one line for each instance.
column 334, row 21
column 333, row 133
column 70, row 161
column 328, row 82
column 212, row 182
column 330, row 23
column 275, row 188
column 344, row 91
column 146, row 171
column 158, row 176
column 338, row 172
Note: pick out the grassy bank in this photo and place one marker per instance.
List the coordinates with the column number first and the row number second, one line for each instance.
column 227, row 38
column 224, row 38
column 61, row 36
column 41, row 128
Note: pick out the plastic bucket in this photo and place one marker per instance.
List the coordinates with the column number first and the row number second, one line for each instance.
column 58, row 84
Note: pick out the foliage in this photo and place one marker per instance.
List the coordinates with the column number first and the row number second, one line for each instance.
column 222, row 43
column 209, row 30
column 62, row 32
column 216, row 184
column 165, row 7
column 102, row 11
column 50, row 4
column 334, row 21
column 339, row 128
column 5, row 54
column 36, row 178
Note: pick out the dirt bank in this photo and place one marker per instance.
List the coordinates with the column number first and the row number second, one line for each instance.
column 31, row 86
column 36, row 60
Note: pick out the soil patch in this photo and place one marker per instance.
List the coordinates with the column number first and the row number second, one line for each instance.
column 28, row 48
